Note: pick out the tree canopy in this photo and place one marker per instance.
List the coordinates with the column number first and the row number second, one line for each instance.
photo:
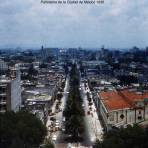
column 130, row 137
column 21, row 130
column 74, row 112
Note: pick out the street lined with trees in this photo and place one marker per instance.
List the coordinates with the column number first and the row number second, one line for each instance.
column 74, row 112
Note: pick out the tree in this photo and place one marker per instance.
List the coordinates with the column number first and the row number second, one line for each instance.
column 59, row 96
column 32, row 72
column 48, row 144
column 75, row 127
column 66, row 69
column 130, row 137
column 21, row 129
column 43, row 65
column 74, row 111
column 127, row 79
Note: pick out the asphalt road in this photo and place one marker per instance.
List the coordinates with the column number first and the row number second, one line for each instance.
column 59, row 115
column 93, row 128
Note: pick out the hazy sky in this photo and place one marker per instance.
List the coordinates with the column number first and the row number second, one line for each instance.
column 117, row 23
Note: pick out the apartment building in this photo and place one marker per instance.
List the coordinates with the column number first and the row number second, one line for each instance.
column 10, row 93
column 3, row 67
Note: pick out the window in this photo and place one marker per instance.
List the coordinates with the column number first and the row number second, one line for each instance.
column 139, row 118
column 122, row 116
column 2, row 89
column 3, row 98
column 139, row 111
column 111, row 117
column 3, row 107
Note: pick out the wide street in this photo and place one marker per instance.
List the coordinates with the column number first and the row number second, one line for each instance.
column 93, row 129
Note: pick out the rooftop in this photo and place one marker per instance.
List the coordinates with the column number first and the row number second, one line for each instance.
column 115, row 100
column 37, row 98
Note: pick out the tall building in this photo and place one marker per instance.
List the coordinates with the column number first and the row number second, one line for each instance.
column 10, row 92
column 49, row 52
column 3, row 66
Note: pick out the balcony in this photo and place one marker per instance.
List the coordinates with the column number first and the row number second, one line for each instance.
column 2, row 94
column 3, row 102
column 2, row 111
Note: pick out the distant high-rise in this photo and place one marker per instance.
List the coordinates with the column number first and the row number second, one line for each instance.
column 3, row 66
column 49, row 52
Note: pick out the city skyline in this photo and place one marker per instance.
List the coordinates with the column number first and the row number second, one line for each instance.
column 121, row 24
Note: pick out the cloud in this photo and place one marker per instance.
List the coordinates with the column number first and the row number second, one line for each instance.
column 121, row 23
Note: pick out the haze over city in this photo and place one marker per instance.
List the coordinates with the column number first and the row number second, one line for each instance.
column 119, row 24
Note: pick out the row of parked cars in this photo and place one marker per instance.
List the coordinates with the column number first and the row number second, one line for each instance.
column 54, row 126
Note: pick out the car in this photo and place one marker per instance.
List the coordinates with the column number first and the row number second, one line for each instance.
column 69, row 145
column 57, row 111
column 52, row 124
column 83, row 105
column 50, row 130
column 57, row 127
column 60, row 109
column 90, row 108
column 63, row 119
column 51, row 114
column 49, row 126
column 54, row 137
column 52, row 118
column 57, row 122
column 69, row 135
column 88, row 112
column 63, row 129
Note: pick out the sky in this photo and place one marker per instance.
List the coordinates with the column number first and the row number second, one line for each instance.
column 116, row 23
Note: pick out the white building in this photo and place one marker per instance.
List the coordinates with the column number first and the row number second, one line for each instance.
column 122, row 107
column 10, row 93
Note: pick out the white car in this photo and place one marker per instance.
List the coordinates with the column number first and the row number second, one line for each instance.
column 63, row 119
column 63, row 129
column 54, row 137
column 57, row 122
column 69, row 145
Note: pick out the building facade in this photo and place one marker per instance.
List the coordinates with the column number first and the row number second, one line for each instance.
column 3, row 67
column 10, row 94
column 119, row 108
